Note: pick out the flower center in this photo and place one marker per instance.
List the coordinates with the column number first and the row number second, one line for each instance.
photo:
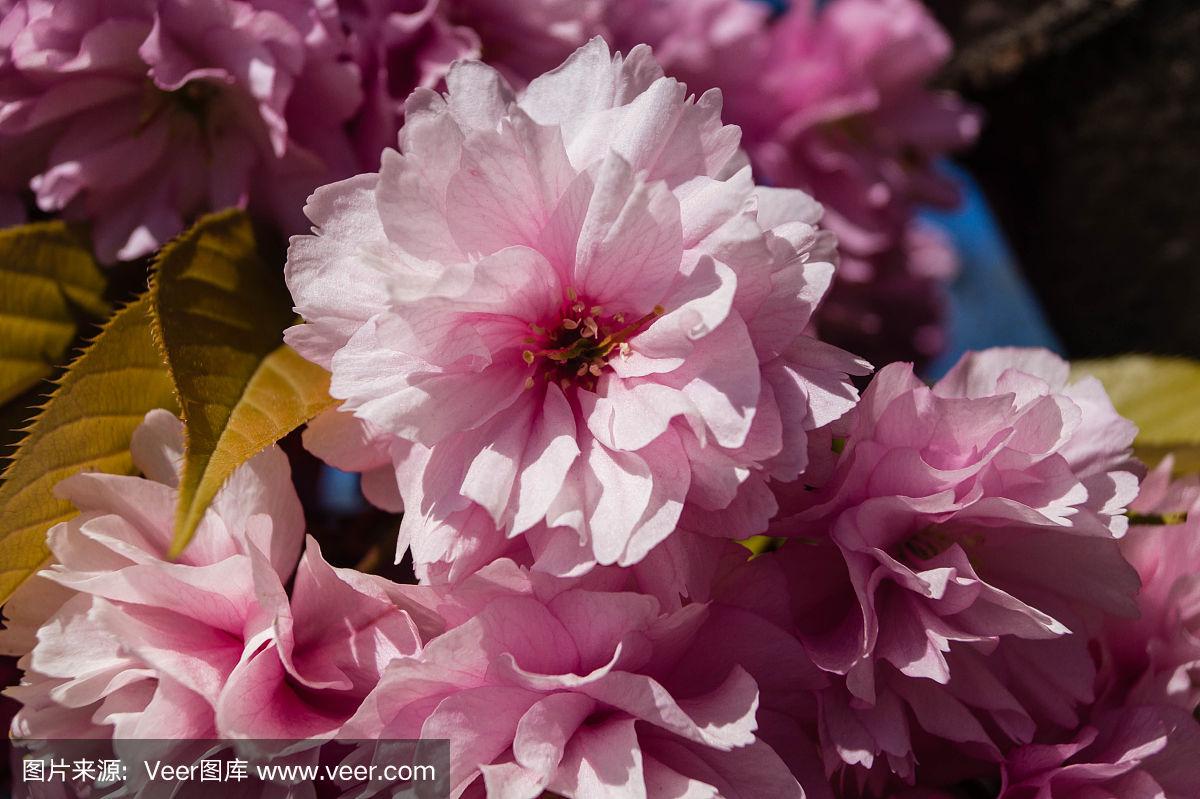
column 191, row 101
column 575, row 349
column 929, row 542
column 857, row 130
column 195, row 97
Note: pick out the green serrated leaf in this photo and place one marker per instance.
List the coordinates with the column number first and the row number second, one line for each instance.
column 86, row 424
column 51, row 282
column 220, row 309
column 1161, row 396
column 284, row 393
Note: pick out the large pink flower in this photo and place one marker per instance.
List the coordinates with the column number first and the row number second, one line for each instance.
column 574, row 309
column 137, row 115
column 966, row 529
column 210, row 644
column 543, row 686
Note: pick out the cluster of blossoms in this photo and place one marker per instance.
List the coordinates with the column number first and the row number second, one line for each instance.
column 572, row 341
column 139, row 115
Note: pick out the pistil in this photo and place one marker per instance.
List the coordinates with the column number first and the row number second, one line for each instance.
column 578, row 348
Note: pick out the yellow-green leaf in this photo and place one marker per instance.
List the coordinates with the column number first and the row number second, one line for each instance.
column 86, row 424
column 51, row 282
column 1161, row 396
column 284, row 393
column 220, row 308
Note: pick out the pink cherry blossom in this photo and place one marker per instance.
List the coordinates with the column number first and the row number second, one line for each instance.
column 543, row 686
column 572, row 311
column 142, row 646
column 966, row 529
column 137, row 115
column 859, row 127
column 325, row 650
column 1140, row 739
column 209, row 644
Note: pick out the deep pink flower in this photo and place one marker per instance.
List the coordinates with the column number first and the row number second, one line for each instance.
column 524, row 38
column 836, row 101
column 966, row 529
column 858, row 126
column 326, row 647
column 572, row 310
column 138, row 115
column 543, row 686
column 399, row 45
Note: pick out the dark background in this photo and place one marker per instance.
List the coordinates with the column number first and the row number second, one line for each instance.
column 1091, row 159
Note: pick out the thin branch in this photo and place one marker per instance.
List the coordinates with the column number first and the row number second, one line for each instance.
column 1053, row 28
